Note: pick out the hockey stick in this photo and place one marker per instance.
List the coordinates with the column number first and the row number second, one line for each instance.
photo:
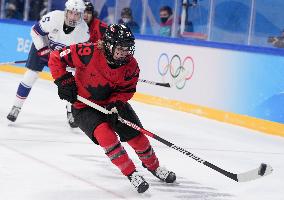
column 177, row 80
column 262, row 170
column 154, row 83
column 14, row 62
column 72, row 69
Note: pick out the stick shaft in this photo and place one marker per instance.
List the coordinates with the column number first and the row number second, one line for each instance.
column 14, row 62
column 154, row 83
column 156, row 137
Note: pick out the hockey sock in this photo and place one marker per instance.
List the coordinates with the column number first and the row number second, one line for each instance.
column 113, row 148
column 25, row 87
column 145, row 152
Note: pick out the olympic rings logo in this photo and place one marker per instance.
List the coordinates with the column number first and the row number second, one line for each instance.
column 179, row 71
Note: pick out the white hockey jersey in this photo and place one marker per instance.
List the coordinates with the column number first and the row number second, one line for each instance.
column 49, row 32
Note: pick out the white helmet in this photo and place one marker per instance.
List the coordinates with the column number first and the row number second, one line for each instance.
column 75, row 6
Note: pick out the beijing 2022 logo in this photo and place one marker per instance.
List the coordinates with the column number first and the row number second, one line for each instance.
column 175, row 70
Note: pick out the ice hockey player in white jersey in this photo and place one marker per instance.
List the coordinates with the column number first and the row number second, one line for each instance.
column 54, row 31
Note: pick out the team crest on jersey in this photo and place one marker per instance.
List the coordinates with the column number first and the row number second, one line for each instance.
column 100, row 92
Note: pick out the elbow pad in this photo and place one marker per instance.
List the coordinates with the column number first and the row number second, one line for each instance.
column 39, row 40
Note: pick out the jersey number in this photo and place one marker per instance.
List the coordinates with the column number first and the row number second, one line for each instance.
column 46, row 19
column 85, row 52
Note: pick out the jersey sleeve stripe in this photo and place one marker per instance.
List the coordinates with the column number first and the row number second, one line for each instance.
column 70, row 57
column 67, row 59
column 37, row 28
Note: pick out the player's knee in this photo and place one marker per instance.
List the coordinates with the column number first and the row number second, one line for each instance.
column 140, row 142
column 105, row 135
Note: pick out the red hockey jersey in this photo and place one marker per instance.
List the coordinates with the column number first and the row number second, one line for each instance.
column 97, row 29
column 95, row 80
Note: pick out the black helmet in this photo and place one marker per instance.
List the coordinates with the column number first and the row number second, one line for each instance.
column 89, row 6
column 118, row 35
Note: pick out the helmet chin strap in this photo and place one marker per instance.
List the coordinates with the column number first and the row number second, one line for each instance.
column 67, row 29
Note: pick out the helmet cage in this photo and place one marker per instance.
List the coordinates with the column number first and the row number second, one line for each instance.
column 77, row 6
column 71, row 22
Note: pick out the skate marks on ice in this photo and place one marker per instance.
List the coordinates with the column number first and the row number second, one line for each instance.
column 185, row 189
column 182, row 189
column 42, row 125
column 90, row 175
column 50, row 189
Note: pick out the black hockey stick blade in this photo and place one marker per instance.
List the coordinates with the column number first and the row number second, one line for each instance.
column 164, row 84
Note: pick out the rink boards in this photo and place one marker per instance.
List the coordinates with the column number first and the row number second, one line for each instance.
column 244, row 88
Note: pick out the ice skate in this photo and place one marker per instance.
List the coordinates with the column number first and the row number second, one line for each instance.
column 164, row 175
column 12, row 116
column 138, row 182
column 71, row 121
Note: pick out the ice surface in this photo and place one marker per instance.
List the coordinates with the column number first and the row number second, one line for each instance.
column 41, row 158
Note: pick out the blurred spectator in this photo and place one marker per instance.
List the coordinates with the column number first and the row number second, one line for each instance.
column 166, row 17
column 127, row 19
column 188, row 25
column 12, row 10
column 277, row 41
column 38, row 8
column 58, row 5
column 107, row 12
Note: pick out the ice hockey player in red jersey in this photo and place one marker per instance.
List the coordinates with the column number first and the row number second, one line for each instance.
column 97, row 27
column 107, row 75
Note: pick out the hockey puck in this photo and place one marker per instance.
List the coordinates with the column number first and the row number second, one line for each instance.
column 262, row 169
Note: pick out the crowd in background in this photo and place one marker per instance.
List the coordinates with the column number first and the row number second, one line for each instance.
column 15, row 9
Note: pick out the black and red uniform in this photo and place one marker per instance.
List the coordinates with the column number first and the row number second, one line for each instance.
column 97, row 29
column 95, row 79
column 108, row 76
column 104, row 84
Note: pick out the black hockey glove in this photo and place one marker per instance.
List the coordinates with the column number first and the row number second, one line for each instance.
column 125, row 111
column 67, row 89
column 117, row 108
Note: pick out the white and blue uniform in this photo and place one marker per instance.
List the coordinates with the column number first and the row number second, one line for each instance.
column 55, row 30
column 48, row 32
